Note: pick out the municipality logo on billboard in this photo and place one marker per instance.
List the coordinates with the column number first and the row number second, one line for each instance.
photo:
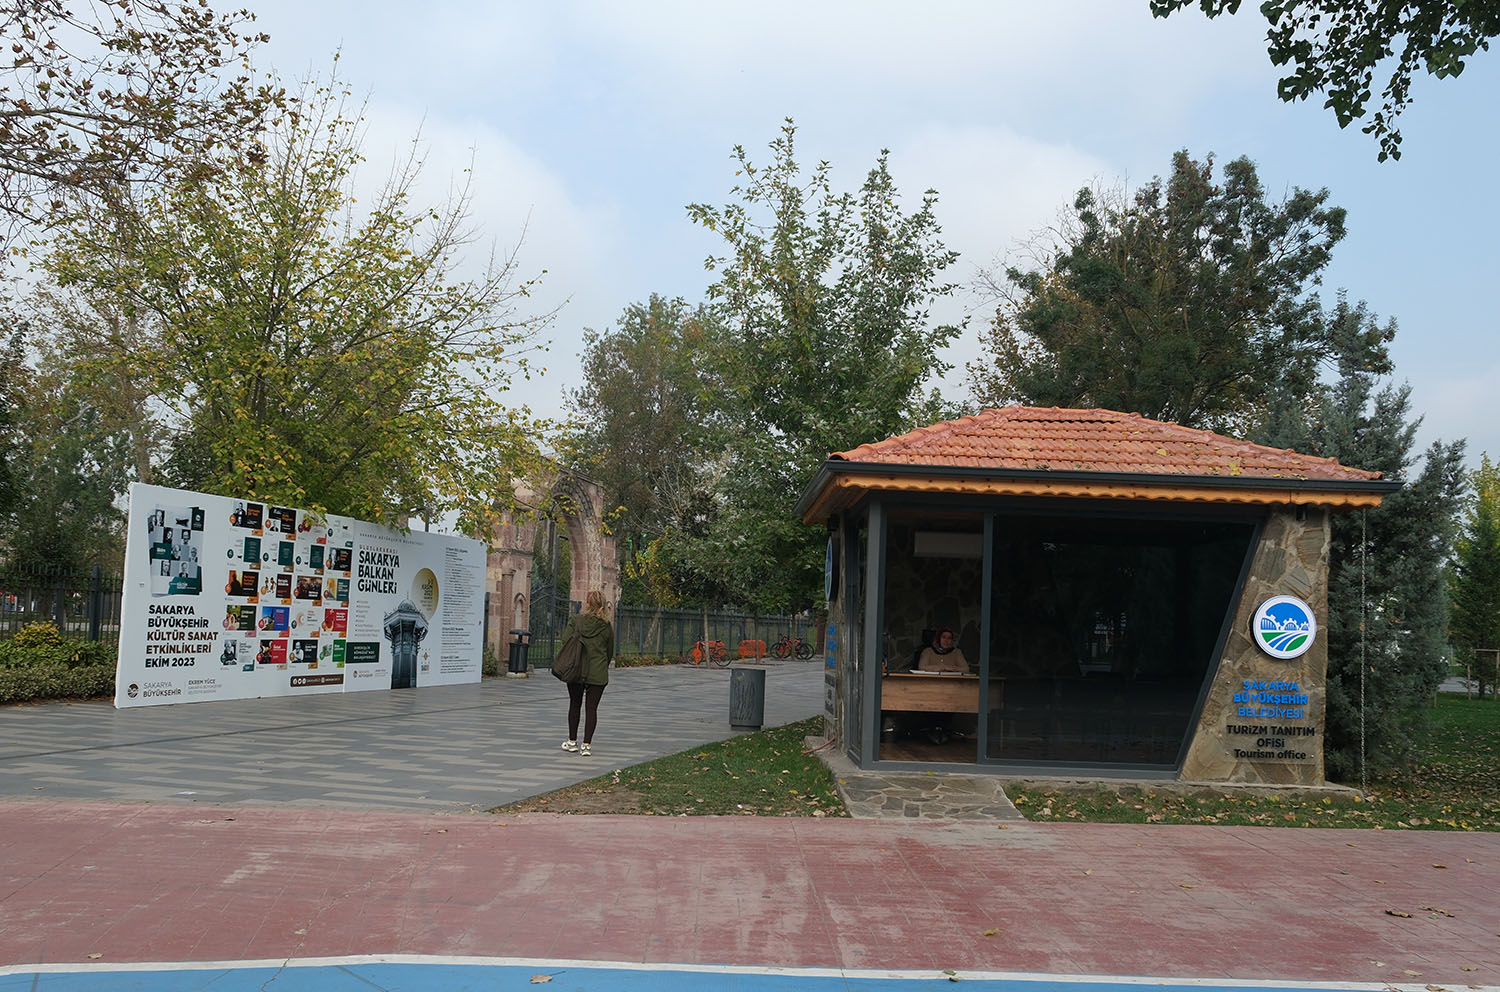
column 1284, row 627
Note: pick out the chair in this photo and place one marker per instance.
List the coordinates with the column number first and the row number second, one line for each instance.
column 927, row 635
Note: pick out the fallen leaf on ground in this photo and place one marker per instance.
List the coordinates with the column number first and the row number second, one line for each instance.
column 1439, row 866
column 1397, row 912
column 991, row 932
column 1186, row 885
column 96, row 954
column 1408, row 971
column 1438, row 909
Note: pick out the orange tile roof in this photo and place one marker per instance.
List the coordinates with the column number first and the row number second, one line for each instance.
column 1033, row 439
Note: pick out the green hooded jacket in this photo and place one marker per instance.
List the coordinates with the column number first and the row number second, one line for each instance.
column 598, row 646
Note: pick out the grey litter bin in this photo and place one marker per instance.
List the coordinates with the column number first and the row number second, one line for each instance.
column 518, row 648
column 747, row 698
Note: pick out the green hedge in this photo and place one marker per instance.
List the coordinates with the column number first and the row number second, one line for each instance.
column 68, row 654
column 643, row 660
column 67, row 670
column 54, row 681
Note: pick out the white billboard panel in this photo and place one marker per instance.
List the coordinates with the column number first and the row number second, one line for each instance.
column 232, row 599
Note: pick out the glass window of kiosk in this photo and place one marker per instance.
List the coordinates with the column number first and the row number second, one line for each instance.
column 932, row 621
column 1102, row 631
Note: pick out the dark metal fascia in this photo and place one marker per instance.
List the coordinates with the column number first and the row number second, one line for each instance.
column 833, row 467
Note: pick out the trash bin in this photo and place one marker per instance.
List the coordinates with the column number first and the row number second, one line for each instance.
column 518, row 647
column 747, row 698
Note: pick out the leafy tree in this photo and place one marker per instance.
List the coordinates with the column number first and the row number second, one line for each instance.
column 302, row 349
column 78, row 339
column 1187, row 302
column 1387, row 601
column 69, row 472
column 1475, row 578
column 646, row 422
column 1336, row 46
column 11, row 373
column 826, row 299
column 113, row 91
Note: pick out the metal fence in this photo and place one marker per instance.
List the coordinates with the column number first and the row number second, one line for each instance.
column 83, row 603
column 650, row 630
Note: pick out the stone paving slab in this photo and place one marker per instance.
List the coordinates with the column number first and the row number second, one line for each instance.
column 915, row 795
column 443, row 749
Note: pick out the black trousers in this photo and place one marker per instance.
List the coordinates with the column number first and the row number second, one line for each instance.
column 583, row 698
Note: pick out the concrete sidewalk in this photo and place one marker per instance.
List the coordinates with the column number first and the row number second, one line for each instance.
column 460, row 748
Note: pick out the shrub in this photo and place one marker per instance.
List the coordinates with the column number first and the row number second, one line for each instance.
column 70, row 654
column 37, row 634
column 642, row 660
column 56, row 681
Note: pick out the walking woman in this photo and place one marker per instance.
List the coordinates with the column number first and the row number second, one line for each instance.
column 598, row 650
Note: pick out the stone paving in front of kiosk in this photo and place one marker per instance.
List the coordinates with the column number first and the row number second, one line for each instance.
column 401, row 881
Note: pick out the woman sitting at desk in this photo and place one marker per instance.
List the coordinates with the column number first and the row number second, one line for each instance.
column 942, row 655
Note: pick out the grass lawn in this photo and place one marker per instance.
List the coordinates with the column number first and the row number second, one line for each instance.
column 1455, row 785
column 767, row 773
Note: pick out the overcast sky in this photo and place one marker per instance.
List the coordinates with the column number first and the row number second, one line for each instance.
column 592, row 125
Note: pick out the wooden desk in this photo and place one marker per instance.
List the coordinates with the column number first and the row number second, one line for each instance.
column 930, row 692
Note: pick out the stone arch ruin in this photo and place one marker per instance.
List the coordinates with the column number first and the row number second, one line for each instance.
column 576, row 502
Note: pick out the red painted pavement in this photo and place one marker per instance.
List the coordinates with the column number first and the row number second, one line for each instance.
column 135, row 883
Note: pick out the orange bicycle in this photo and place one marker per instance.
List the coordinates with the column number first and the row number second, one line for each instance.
column 715, row 654
column 790, row 646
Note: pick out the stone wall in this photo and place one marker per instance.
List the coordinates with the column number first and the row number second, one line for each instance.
column 928, row 594
column 508, row 578
column 1291, row 559
column 579, row 504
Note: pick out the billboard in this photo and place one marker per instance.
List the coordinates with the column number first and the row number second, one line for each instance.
column 236, row 598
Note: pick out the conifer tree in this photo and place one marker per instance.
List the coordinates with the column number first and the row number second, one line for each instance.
column 1476, row 578
column 1387, row 599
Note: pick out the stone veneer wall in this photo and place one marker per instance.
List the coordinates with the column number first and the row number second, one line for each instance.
column 928, row 593
column 1291, row 559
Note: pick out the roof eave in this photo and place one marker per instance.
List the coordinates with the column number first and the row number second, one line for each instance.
column 833, row 467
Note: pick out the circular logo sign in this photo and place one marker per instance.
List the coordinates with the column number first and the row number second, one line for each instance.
column 424, row 592
column 1284, row 627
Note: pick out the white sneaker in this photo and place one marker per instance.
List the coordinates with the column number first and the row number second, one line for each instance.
column 573, row 746
column 584, row 749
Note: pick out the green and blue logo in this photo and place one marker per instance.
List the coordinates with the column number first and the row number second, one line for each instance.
column 1284, row 627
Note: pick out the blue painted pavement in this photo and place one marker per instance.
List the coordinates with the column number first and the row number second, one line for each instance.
column 419, row 974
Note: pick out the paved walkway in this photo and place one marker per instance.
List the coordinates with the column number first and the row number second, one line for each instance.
column 290, row 833
column 464, row 748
